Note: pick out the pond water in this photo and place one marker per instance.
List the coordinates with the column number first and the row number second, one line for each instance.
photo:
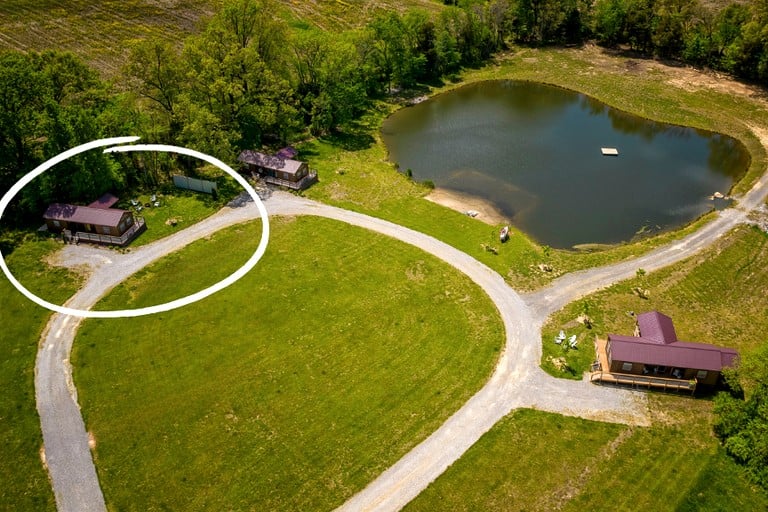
column 533, row 151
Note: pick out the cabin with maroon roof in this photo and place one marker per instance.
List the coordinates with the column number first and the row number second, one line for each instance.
column 654, row 351
column 279, row 169
column 97, row 222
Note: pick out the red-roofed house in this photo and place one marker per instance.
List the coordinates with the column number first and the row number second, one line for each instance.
column 278, row 170
column 655, row 351
column 105, row 201
column 99, row 224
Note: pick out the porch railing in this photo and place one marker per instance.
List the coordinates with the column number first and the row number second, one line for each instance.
column 81, row 236
column 303, row 183
column 644, row 381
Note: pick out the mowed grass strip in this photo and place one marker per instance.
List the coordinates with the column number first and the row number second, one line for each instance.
column 25, row 485
column 527, row 461
column 293, row 388
column 187, row 271
column 717, row 296
column 675, row 465
column 535, row 461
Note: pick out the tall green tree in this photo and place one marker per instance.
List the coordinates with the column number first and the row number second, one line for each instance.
column 155, row 72
column 254, row 24
column 50, row 102
column 327, row 79
column 672, row 19
column 388, row 54
column 476, row 42
column 23, row 92
column 639, row 24
column 230, row 85
column 610, row 21
column 742, row 422
column 549, row 21
column 747, row 55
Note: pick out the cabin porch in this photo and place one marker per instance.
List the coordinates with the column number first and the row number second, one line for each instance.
column 600, row 373
column 138, row 227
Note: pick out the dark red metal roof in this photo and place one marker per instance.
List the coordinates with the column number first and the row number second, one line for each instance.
column 658, row 345
column 84, row 214
column 639, row 350
column 656, row 327
column 274, row 162
column 105, row 201
column 287, row 152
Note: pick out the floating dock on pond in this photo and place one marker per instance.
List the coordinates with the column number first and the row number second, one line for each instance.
column 609, row 151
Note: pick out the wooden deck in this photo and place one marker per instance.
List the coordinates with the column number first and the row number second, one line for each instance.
column 303, row 183
column 601, row 375
column 138, row 227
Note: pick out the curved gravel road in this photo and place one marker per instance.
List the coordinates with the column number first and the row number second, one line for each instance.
column 516, row 382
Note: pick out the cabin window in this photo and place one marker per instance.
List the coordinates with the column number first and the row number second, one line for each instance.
column 626, row 367
column 701, row 374
column 57, row 223
column 129, row 221
column 105, row 230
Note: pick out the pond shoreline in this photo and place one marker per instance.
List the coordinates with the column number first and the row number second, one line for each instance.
column 533, row 152
column 487, row 212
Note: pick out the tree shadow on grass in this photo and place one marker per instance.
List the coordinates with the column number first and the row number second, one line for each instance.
column 352, row 137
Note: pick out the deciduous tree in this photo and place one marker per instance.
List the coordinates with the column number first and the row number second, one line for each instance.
column 742, row 422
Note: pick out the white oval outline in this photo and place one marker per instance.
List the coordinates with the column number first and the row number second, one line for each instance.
column 163, row 148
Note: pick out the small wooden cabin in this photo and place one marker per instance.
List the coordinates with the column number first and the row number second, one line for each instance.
column 100, row 223
column 655, row 351
column 278, row 170
column 85, row 219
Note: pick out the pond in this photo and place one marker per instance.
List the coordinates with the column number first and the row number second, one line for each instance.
column 534, row 152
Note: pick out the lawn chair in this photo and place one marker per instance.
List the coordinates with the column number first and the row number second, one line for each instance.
column 572, row 341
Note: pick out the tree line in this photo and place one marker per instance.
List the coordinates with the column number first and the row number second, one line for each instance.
column 246, row 80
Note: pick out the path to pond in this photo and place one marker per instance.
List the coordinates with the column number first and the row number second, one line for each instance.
column 516, row 382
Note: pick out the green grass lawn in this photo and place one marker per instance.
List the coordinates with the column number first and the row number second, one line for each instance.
column 523, row 463
column 186, row 272
column 25, row 483
column 675, row 465
column 291, row 389
column 539, row 461
column 718, row 296
column 178, row 210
